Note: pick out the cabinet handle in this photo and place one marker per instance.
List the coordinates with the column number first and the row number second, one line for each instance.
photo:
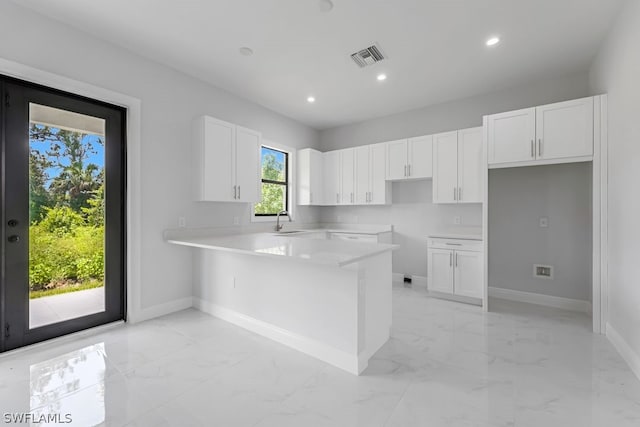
column 459, row 193
column 450, row 259
column 235, row 192
column 409, row 169
column 540, row 147
column 533, row 150
column 351, row 198
column 455, row 192
column 405, row 171
column 456, row 259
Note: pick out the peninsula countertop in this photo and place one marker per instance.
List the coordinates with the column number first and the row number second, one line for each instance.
column 293, row 246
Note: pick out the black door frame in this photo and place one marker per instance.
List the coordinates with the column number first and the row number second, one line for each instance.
column 14, row 302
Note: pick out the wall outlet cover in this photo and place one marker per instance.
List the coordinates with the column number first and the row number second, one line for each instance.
column 182, row 222
column 544, row 222
column 457, row 220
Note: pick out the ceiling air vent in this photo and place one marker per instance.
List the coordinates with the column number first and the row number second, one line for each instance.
column 368, row 56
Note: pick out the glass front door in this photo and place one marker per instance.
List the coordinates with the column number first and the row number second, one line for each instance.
column 63, row 213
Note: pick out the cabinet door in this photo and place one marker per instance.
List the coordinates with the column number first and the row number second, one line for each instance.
column 565, row 129
column 440, row 272
column 445, row 167
column 247, row 165
column 214, row 154
column 347, row 176
column 468, row 273
column 470, row 167
column 316, row 196
column 331, row 169
column 377, row 176
column 397, row 159
column 420, row 157
column 512, row 136
column 362, row 173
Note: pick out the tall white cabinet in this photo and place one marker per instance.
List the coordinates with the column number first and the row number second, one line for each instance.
column 554, row 133
column 310, row 177
column 226, row 161
column 457, row 166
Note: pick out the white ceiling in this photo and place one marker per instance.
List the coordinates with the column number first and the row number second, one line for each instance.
column 435, row 48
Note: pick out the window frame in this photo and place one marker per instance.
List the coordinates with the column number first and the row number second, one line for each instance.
column 289, row 183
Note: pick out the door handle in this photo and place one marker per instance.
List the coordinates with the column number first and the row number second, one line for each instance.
column 456, row 259
column 450, row 259
column 238, row 192
column 533, row 150
column 459, row 193
column 12, row 223
column 13, row 239
column 455, row 193
column 539, row 147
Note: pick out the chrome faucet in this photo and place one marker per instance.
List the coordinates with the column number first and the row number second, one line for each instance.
column 278, row 225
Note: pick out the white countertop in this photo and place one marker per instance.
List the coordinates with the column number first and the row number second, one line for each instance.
column 326, row 252
column 466, row 233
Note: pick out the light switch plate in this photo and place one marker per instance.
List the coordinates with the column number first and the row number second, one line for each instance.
column 457, row 220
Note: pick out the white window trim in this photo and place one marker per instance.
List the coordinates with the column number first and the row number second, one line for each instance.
column 291, row 187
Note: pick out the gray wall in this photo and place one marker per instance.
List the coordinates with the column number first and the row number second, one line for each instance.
column 170, row 100
column 518, row 197
column 616, row 71
column 413, row 214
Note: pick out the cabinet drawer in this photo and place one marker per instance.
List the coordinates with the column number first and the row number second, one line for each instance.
column 455, row 244
column 367, row 238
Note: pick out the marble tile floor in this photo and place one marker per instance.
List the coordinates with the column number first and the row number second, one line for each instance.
column 447, row 364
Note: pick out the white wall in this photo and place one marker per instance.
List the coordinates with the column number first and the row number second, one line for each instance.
column 413, row 214
column 170, row 100
column 518, row 197
column 616, row 71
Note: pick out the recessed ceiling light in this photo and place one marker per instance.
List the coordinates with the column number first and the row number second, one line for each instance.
column 325, row 5
column 381, row 77
column 311, row 99
column 493, row 41
column 245, row 51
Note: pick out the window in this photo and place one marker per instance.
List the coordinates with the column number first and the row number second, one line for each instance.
column 275, row 182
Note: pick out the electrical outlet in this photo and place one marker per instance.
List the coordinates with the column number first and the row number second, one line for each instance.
column 457, row 220
column 182, row 222
column 544, row 222
column 236, row 220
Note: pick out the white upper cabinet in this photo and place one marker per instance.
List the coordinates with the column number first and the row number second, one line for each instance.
column 226, row 161
column 457, row 166
column 565, row 129
column 512, row 136
column 332, row 174
column 370, row 181
column 445, row 167
column 419, row 157
column 310, row 177
column 555, row 133
column 397, row 159
column 347, row 176
column 410, row 158
column 470, row 165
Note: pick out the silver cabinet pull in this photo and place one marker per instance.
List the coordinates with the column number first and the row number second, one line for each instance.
column 459, row 193
column 405, row 170
column 409, row 168
column 337, row 197
column 351, row 197
column 533, row 150
column 456, row 259
column 455, row 197
column 540, row 147
column 239, row 196
column 450, row 259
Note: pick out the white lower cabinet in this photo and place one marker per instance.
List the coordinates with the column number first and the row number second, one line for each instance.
column 456, row 267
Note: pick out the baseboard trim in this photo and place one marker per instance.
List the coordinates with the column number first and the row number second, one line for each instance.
column 628, row 354
column 324, row 352
column 539, row 299
column 164, row 309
